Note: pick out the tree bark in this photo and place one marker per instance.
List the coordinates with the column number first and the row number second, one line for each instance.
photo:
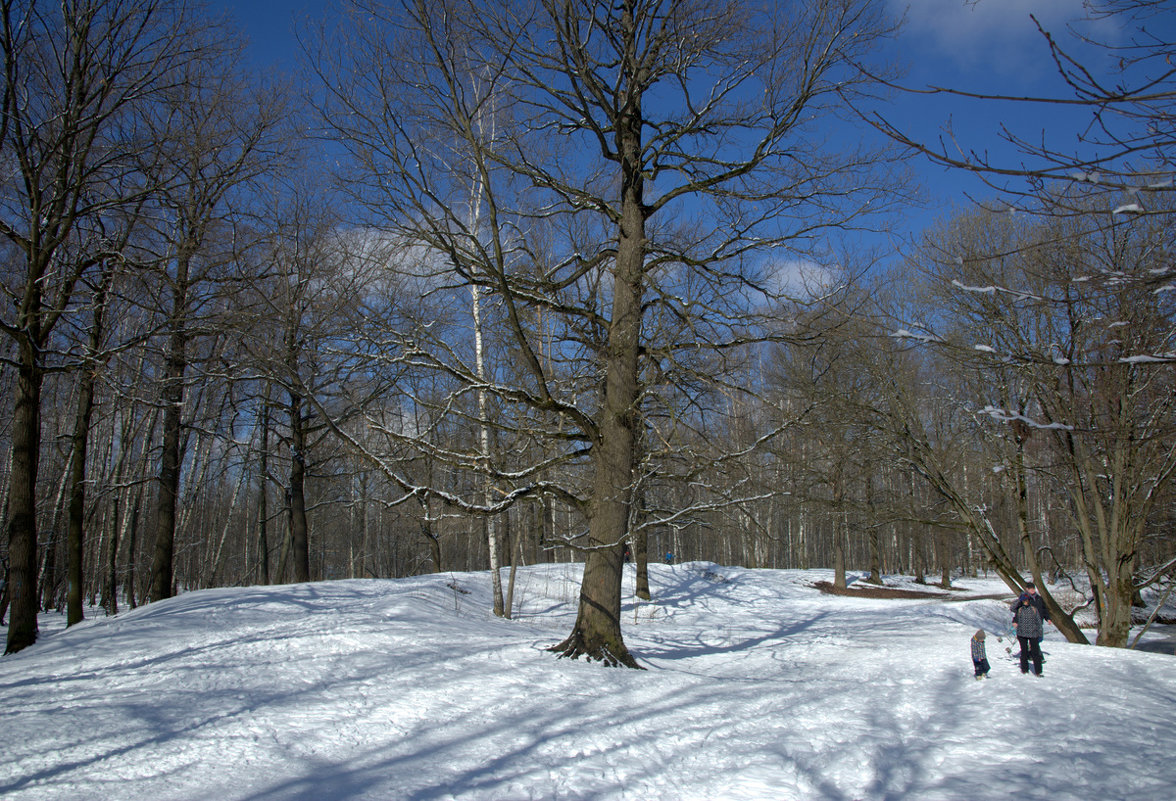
column 839, row 557
column 22, row 503
column 640, row 543
column 110, row 581
column 299, row 532
column 75, row 537
column 263, row 555
column 597, row 632
column 75, row 541
column 162, row 564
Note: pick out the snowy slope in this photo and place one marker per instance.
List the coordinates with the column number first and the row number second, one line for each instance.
column 758, row 687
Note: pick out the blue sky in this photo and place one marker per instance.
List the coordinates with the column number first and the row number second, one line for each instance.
column 978, row 45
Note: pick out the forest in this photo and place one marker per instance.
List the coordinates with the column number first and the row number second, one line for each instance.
column 492, row 285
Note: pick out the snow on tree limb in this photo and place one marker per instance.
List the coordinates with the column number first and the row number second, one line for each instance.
column 1004, row 416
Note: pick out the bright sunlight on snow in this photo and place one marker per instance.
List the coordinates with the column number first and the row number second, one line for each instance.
column 758, row 687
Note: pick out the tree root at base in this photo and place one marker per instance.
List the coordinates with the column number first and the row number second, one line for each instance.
column 576, row 646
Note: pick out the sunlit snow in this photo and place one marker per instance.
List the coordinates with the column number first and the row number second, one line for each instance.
column 758, row 687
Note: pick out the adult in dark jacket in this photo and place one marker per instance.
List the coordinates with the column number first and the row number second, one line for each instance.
column 1029, row 616
column 1035, row 599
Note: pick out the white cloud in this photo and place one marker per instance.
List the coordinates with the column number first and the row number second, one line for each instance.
column 998, row 33
column 802, row 279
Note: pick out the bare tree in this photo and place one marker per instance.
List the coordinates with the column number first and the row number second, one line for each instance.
column 1063, row 331
column 90, row 358
column 1093, row 180
column 221, row 135
column 311, row 297
column 649, row 156
column 1118, row 89
column 78, row 77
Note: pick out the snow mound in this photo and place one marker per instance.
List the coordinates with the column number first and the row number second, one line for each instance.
column 759, row 687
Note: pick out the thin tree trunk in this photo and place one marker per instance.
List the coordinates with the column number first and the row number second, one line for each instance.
column 639, row 541
column 284, row 556
column 132, row 550
column 515, row 556
column 110, row 584
column 219, row 555
column 944, row 563
column 263, row 498
column 75, row 537
column 839, row 536
column 491, row 523
column 364, row 527
column 163, row 561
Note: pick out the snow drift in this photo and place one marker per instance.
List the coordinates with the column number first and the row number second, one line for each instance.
column 758, row 687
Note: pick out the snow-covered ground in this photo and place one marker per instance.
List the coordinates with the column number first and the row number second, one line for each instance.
column 758, row 687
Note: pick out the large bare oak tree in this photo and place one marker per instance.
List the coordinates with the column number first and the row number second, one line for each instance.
column 626, row 158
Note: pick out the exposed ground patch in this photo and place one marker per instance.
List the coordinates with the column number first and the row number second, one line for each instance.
column 864, row 590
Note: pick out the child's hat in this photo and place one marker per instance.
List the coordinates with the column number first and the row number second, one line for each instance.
column 979, row 634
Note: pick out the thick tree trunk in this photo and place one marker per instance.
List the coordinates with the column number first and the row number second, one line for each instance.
column 875, row 556
column 943, row 554
column 162, row 563
column 1114, row 627
column 1062, row 620
column 839, row 559
column 75, row 541
column 22, row 505
column 299, row 535
column 918, row 562
column 597, row 633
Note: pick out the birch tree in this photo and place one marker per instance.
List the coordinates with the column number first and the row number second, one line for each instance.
column 650, row 156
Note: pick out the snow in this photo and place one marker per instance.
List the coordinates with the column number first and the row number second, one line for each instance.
column 1144, row 359
column 982, row 290
column 758, row 687
column 1005, row 416
column 904, row 333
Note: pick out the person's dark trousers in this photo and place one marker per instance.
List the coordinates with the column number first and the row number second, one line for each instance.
column 981, row 666
column 1030, row 649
